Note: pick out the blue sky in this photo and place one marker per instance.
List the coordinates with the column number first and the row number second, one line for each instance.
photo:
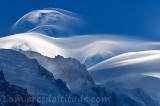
column 139, row 18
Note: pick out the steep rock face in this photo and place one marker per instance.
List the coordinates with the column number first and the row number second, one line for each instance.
column 12, row 95
column 27, row 73
column 72, row 72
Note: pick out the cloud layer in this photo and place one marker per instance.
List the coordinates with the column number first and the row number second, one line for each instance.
column 51, row 19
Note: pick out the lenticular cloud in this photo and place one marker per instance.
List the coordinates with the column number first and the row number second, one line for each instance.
column 51, row 21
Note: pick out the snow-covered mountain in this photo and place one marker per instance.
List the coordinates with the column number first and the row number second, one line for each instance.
column 82, row 83
column 96, row 57
column 41, row 60
column 74, row 47
column 65, row 69
column 27, row 73
column 71, row 71
column 130, row 70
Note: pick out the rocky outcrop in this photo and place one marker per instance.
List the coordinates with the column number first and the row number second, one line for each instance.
column 12, row 95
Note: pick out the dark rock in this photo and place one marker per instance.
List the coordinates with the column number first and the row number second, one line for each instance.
column 12, row 95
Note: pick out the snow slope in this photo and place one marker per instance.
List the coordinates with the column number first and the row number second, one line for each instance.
column 74, row 47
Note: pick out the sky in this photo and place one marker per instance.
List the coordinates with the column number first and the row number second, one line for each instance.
column 136, row 18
